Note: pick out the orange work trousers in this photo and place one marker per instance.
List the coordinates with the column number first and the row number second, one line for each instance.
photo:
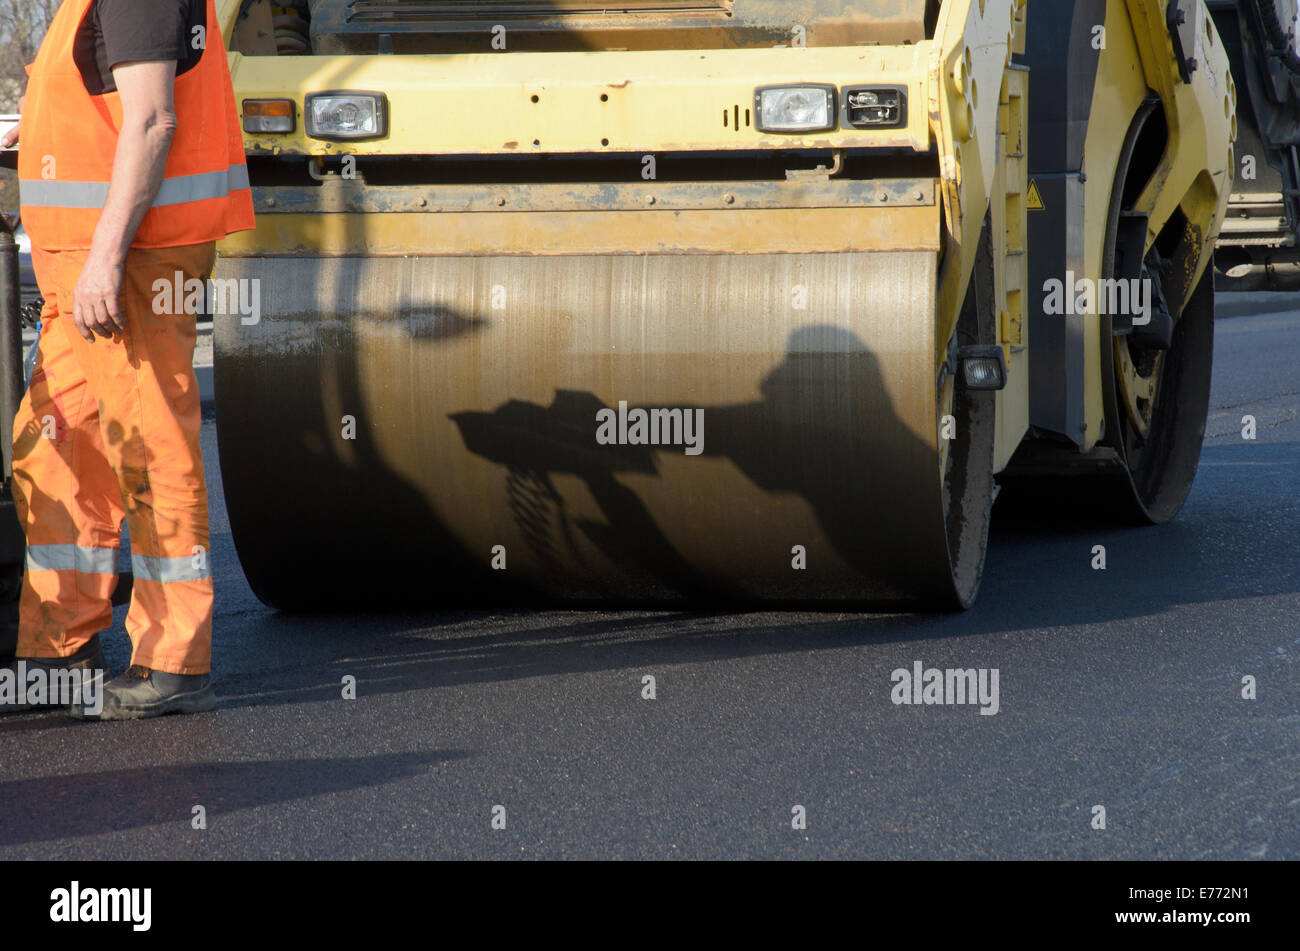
column 110, row 430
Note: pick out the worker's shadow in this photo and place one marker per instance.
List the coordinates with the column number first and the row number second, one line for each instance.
column 820, row 431
column 535, row 443
column 73, row 805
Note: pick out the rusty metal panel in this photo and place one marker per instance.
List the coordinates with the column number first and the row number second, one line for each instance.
column 338, row 195
column 420, row 26
column 743, row 231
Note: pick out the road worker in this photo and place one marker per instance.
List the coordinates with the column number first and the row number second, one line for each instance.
column 131, row 167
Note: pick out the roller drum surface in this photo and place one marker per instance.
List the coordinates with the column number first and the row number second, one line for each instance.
column 475, row 383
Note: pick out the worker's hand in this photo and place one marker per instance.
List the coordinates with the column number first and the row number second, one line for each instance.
column 95, row 308
column 10, row 137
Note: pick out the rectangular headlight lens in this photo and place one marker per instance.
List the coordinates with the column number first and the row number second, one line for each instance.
column 805, row 108
column 874, row 107
column 268, row 115
column 347, row 115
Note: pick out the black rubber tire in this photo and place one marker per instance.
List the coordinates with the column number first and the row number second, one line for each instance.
column 1159, row 479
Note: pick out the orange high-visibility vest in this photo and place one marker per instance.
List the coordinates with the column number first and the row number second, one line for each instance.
column 68, row 138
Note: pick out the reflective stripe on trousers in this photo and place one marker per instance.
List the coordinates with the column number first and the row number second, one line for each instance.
column 103, row 561
column 90, row 561
column 166, row 570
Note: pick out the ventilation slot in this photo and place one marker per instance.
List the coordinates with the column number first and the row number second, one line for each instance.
column 733, row 117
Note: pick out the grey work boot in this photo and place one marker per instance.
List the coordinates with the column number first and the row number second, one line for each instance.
column 42, row 683
column 141, row 692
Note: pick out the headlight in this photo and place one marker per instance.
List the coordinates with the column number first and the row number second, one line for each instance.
column 874, row 107
column 983, row 367
column 346, row 115
column 806, row 108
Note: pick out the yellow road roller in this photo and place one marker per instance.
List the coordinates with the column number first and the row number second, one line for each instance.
column 707, row 299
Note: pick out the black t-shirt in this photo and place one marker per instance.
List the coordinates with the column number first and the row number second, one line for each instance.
column 131, row 31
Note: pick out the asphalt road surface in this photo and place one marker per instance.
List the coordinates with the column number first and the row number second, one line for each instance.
column 1119, row 688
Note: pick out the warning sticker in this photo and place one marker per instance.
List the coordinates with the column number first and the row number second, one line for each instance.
column 1034, row 200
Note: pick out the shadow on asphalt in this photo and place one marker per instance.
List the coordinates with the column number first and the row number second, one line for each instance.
column 65, row 807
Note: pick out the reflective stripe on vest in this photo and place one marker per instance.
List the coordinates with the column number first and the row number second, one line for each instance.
column 174, row 191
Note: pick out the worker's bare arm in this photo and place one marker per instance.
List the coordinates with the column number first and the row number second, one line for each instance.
column 148, row 124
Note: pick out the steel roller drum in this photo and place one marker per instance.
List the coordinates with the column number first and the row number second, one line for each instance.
column 475, row 384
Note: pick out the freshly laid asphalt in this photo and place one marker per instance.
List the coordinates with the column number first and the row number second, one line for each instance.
column 1119, row 688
